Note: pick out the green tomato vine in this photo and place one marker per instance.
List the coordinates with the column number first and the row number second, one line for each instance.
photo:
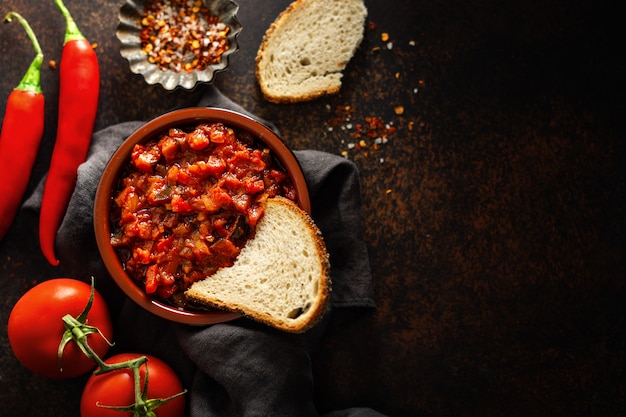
column 77, row 330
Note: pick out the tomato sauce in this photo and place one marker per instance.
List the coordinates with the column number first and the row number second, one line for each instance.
column 188, row 202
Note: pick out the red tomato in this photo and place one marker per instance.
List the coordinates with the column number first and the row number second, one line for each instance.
column 36, row 327
column 116, row 388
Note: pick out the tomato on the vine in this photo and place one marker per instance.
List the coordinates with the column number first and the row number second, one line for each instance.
column 117, row 389
column 36, row 328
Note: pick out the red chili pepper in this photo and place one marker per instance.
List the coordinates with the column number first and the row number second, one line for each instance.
column 79, row 90
column 22, row 131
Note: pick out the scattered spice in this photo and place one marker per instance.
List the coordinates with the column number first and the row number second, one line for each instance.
column 363, row 137
column 182, row 35
column 366, row 133
column 52, row 64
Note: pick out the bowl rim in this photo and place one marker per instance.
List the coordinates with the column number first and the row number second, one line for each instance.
column 110, row 175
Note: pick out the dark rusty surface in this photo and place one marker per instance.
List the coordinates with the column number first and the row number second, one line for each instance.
column 494, row 213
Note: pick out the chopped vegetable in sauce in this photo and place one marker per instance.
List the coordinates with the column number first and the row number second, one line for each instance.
column 189, row 202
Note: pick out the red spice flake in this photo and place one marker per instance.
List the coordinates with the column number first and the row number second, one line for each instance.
column 367, row 133
column 182, row 35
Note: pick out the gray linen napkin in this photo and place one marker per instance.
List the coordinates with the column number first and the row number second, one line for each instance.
column 240, row 368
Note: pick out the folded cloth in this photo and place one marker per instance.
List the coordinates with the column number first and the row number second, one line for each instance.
column 240, row 368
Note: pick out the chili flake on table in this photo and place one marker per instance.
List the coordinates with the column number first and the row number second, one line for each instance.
column 365, row 132
column 182, row 35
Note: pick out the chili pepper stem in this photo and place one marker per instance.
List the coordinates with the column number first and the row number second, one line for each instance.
column 32, row 78
column 79, row 89
column 21, row 133
column 72, row 32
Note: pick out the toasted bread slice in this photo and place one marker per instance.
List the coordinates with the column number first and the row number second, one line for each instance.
column 305, row 50
column 280, row 278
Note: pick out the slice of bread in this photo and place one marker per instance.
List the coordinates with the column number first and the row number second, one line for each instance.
column 304, row 52
column 281, row 276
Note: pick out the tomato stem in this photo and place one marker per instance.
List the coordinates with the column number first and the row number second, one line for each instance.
column 143, row 407
column 32, row 78
column 104, row 367
column 140, row 403
column 77, row 330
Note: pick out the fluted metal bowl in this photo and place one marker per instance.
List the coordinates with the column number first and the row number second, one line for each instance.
column 129, row 33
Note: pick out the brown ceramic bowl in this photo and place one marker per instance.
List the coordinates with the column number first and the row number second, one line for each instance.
column 111, row 176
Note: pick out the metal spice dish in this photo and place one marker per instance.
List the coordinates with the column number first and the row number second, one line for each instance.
column 178, row 43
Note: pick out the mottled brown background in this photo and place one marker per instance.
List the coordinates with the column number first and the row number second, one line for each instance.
column 494, row 213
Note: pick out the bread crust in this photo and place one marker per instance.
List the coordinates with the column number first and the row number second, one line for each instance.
column 280, row 21
column 317, row 309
